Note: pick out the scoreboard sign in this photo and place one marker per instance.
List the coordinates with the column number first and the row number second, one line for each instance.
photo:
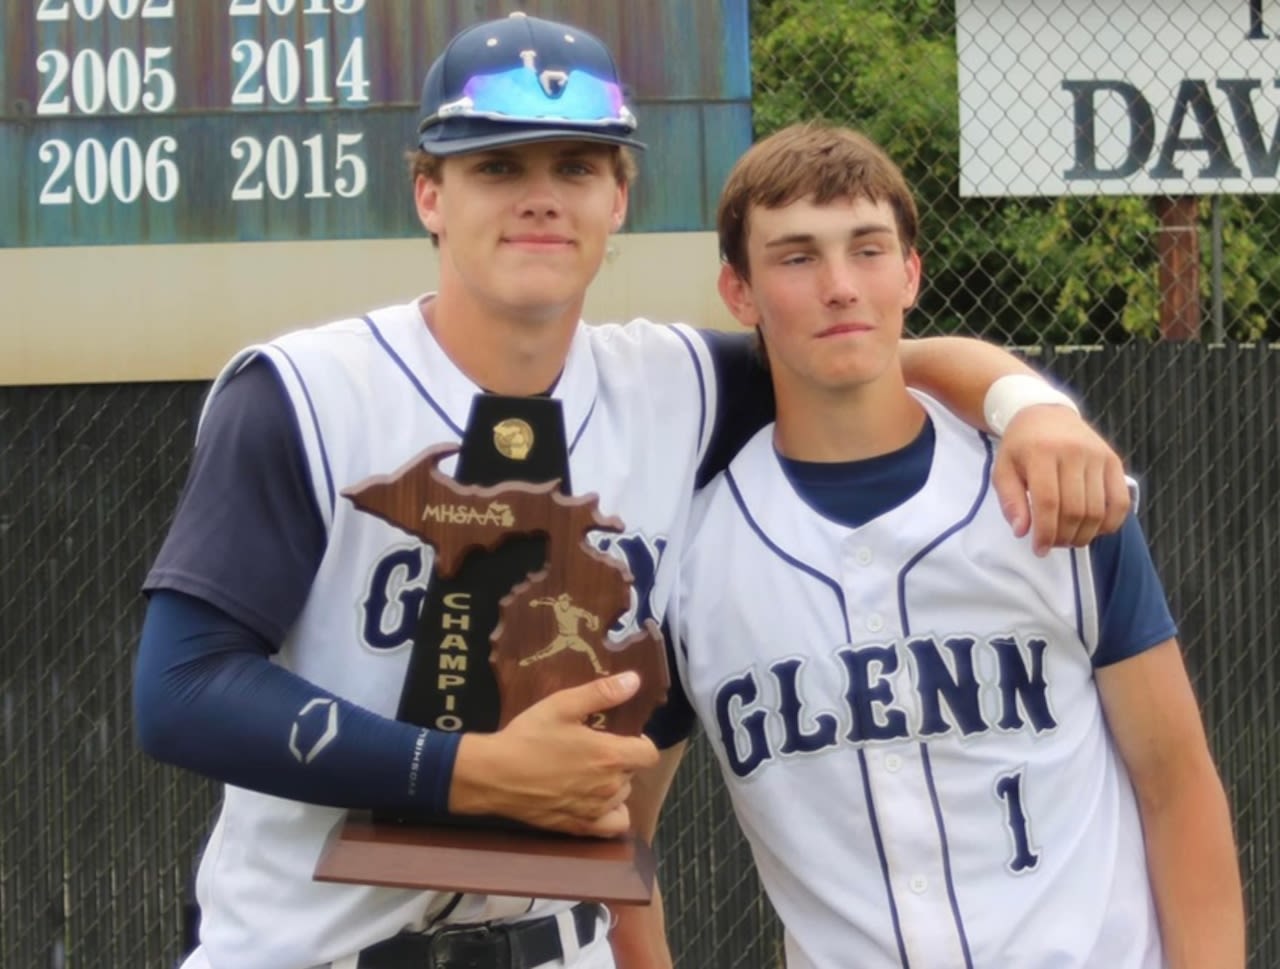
column 168, row 120
column 182, row 177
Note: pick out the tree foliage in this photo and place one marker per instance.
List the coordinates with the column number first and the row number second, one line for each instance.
column 1055, row 270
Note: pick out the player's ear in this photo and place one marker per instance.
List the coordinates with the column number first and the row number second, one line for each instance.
column 620, row 201
column 426, row 196
column 911, row 288
column 737, row 296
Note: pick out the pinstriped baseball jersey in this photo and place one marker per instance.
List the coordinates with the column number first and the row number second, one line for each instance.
column 907, row 721
column 369, row 394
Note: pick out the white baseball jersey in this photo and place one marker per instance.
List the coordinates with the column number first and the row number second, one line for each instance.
column 370, row 394
column 908, row 724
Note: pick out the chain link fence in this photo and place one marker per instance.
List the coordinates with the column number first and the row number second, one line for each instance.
column 96, row 840
column 1019, row 269
column 98, row 844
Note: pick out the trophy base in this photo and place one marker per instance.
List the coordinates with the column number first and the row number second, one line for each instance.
column 488, row 861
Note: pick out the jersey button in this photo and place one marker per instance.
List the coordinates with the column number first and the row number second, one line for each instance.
column 893, row 763
column 875, row 622
column 863, row 556
column 919, row 884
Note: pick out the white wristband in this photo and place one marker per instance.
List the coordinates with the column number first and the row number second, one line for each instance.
column 1014, row 392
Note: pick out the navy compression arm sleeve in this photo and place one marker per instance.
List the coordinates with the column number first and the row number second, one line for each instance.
column 208, row 698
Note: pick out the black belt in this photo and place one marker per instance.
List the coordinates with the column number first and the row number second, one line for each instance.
column 491, row 945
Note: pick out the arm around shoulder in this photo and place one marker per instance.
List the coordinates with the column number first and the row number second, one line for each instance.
column 958, row 371
column 1055, row 475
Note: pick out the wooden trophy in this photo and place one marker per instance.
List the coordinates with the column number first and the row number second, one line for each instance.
column 519, row 606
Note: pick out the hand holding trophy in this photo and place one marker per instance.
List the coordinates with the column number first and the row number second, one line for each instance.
column 513, row 558
column 557, row 773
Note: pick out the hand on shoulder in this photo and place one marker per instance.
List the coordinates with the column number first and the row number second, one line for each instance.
column 1059, row 479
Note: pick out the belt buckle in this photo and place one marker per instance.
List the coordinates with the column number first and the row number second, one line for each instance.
column 469, row 947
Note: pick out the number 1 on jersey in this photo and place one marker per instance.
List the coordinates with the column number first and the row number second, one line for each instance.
column 1009, row 789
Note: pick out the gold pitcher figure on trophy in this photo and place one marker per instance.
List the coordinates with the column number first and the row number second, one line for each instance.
column 568, row 617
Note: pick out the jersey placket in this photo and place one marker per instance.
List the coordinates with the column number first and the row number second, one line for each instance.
column 899, row 787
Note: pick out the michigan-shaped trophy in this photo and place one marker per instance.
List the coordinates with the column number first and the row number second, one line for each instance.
column 520, row 605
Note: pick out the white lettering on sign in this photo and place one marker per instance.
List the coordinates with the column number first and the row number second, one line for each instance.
column 282, row 8
column 277, row 168
column 122, row 81
column 89, row 170
column 60, row 10
column 139, row 165
column 277, row 72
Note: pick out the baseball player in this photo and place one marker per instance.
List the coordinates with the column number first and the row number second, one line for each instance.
column 280, row 619
column 944, row 750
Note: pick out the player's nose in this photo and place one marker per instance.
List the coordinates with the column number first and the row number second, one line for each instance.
column 839, row 286
column 540, row 197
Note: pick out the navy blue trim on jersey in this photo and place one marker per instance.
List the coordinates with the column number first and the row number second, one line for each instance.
column 946, row 853
column 873, row 817
column 1078, row 596
column 413, row 378
column 795, row 563
column 853, row 493
column 315, row 422
column 744, row 399
column 582, row 428
column 965, row 520
column 702, row 384
column 905, row 619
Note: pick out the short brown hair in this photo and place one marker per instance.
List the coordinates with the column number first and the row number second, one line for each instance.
column 810, row 160
column 424, row 164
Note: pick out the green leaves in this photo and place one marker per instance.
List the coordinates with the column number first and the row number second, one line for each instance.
column 1062, row 270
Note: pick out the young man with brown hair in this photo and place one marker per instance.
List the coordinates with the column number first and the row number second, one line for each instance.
column 943, row 748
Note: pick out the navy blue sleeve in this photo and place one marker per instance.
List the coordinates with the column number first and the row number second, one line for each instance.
column 745, row 395
column 247, row 536
column 1133, row 611
column 207, row 697
column 675, row 720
